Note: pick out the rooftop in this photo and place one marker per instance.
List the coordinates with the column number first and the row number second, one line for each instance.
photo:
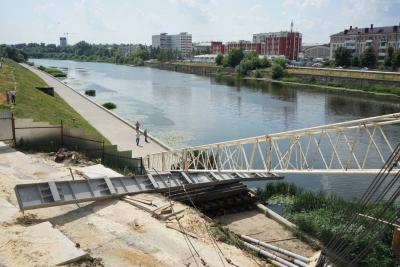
column 368, row 30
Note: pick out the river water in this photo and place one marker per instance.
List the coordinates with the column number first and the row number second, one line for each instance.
column 185, row 109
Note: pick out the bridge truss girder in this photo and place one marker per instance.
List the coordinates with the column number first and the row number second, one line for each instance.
column 358, row 146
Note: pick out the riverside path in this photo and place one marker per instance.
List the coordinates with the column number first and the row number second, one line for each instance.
column 116, row 129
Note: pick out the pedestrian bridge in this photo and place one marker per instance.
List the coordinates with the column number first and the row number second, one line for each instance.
column 358, row 147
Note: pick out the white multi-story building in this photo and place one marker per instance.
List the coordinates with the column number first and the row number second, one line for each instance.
column 358, row 39
column 63, row 41
column 181, row 42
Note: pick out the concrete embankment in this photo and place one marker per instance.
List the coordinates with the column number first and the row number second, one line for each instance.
column 117, row 130
column 198, row 69
column 347, row 77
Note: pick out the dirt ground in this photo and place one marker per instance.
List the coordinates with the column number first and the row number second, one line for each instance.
column 114, row 232
column 266, row 230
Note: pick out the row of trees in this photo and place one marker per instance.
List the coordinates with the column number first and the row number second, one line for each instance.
column 242, row 62
column 13, row 53
column 344, row 58
column 84, row 51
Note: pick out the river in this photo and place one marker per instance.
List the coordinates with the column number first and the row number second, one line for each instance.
column 184, row 109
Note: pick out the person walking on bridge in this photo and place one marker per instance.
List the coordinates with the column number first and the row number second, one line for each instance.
column 137, row 137
column 8, row 96
column 145, row 136
column 137, row 124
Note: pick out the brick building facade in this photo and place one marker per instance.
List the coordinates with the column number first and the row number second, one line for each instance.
column 286, row 44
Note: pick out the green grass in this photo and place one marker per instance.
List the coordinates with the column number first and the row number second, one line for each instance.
column 31, row 103
column 376, row 88
column 53, row 71
column 325, row 217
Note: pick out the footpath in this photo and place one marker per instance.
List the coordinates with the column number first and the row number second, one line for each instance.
column 116, row 129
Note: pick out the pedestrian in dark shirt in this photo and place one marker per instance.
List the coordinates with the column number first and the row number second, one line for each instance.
column 137, row 124
column 8, row 96
column 13, row 96
column 145, row 136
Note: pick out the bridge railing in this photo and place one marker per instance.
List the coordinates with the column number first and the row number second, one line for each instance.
column 358, row 146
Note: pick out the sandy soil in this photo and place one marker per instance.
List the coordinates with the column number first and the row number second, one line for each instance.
column 113, row 230
column 258, row 226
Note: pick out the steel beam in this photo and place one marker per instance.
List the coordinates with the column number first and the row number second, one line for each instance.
column 56, row 193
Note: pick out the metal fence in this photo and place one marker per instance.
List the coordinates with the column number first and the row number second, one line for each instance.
column 41, row 136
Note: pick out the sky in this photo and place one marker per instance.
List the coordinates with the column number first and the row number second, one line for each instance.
column 134, row 21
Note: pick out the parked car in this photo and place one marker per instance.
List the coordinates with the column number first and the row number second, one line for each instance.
column 339, row 67
column 365, row 68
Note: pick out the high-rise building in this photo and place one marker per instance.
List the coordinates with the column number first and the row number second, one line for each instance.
column 181, row 42
column 63, row 41
column 358, row 39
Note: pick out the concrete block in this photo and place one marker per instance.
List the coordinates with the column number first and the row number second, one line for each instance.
column 98, row 171
column 42, row 243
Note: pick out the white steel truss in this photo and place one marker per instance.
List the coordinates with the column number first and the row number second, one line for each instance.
column 358, row 146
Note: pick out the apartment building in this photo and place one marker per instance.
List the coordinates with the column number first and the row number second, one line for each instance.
column 181, row 42
column 358, row 39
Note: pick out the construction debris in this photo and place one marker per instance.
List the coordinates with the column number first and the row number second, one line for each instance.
column 63, row 155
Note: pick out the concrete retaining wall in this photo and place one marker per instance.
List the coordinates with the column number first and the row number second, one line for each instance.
column 190, row 68
column 346, row 80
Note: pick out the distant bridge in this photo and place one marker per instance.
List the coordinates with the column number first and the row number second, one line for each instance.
column 356, row 147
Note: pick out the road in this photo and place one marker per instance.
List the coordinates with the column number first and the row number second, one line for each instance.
column 116, row 129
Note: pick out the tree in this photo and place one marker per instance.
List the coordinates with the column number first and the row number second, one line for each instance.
column 264, row 62
column 281, row 62
column 390, row 57
column 342, row 57
column 396, row 59
column 234, row 57
column 277, row 71
column 368, row 58
column 219, row 59
column 355, row 61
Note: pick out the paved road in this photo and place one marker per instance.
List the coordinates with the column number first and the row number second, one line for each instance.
column 117, row 130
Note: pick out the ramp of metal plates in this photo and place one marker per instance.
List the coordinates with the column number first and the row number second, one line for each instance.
column 358, row 146
column 55, row 193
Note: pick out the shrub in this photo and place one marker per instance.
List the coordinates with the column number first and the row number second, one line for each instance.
column 90, row 92
column 219, row 59
column 109, row 105
column 277, row 71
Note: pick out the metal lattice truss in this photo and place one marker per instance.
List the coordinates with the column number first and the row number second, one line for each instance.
column 359, row 146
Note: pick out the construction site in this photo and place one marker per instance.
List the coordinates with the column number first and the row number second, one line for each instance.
column 141, row 230
column 74, row 198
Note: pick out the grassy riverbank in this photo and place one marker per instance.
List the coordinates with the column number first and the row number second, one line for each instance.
column 324, row 217
column 32, row 103
column 265, row 74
